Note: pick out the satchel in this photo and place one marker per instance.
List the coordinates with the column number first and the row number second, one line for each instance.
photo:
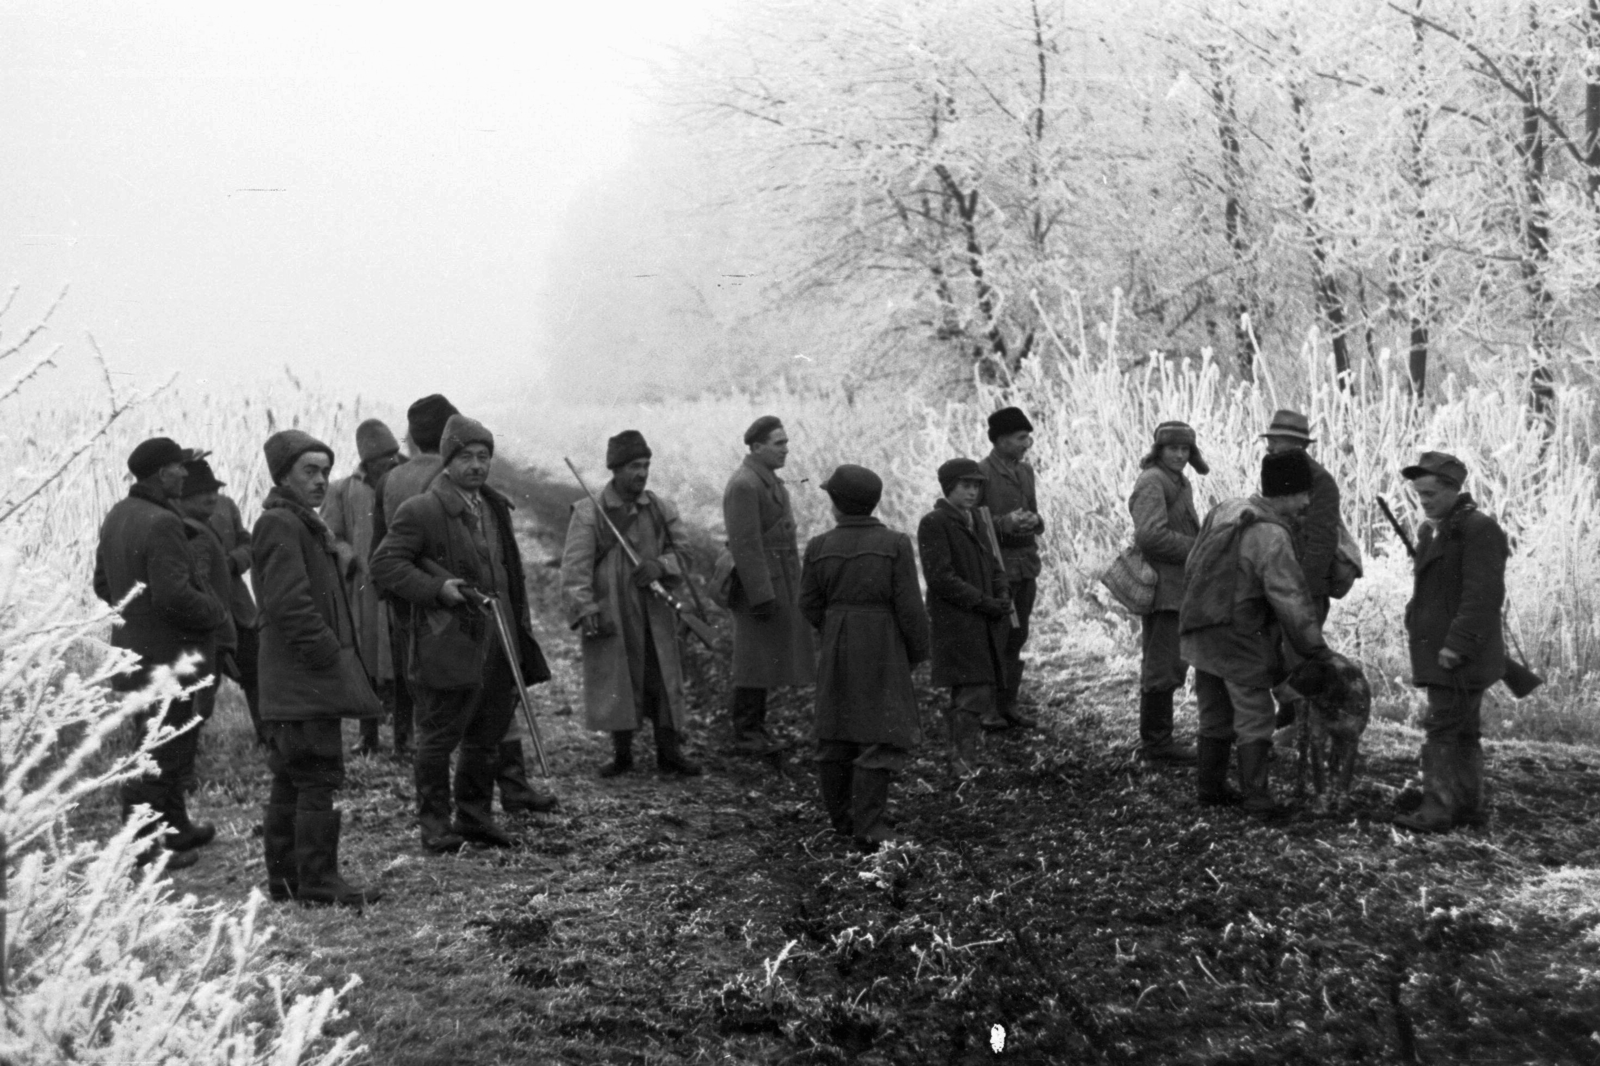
column 724, row 580
column 1346, row 568
column 1131, row 580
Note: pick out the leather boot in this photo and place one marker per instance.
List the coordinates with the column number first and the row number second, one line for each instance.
column 869, row 802
column 316, row 853
column 750, row 736
column 368, row 744
column 1254, row 777
column 834, row 779
column 1211, row 777
column 1155, row 730
column 474, row 795
column 1473, row 809
column 433, row 817
column 517, row 794
column 277, row 838
column 964, row 733
column 621, row 754
column 669, row 754
column 1439, row 801
column 1009, row 695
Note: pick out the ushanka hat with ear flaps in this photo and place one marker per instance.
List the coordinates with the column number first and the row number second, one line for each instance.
column 1182, row 433
column 425, row 421
column 1008, row 420
column 374, row 440
column 959, row 470
column 625, row 447
column 461, row 431
column 1440, row 465
column 287, row 445
column 855, row 490
column 1285, row 474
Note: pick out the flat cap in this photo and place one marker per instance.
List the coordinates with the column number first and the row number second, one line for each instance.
column 153, row 454
column 1437, row 464
column 855, row 490
column 959, row 470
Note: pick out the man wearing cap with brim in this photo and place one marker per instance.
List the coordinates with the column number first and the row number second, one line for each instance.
column 312, row 675
column 454, row 539
column 1316, row 534
column 859, row 590
column 348, row 510
column 1457, row 645
column 771, row 640
column 198, row 505
column 632, row 668
column 969, row 608
column 143, row 541
column 1244, row 599
column 1010, row 496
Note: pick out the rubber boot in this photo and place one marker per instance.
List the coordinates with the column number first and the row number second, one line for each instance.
column 474, row 794
column 621, row 754
column 834, row 779
column 433, row 817
column 669, row 754
column 1254, row 777
column 1211, row 777
column 869, row 802
column 1438, row 811
column 1009, row 695
column 750, row 736
column 1155, row 730
column 517, row 794
column 186, row 835
column 1473, row 807
column 316, row 853
column 277, row 839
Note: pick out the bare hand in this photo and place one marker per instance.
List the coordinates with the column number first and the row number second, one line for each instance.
column 450, row 594
column 1449, row 659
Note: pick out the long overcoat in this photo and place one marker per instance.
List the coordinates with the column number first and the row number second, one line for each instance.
column 597, row 579
column 776, row 651
column 449, row 645
column 859, row 588
column 310, row 664
column 228, row 525
column 1316, row 534
column 212, row 558
column 1010, row 488
column 960, row 571
column 348, row 509
column 143, row 540
column 1458, row 591
column 1165, row 524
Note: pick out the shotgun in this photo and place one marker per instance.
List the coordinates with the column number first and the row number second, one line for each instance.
column 994, row 546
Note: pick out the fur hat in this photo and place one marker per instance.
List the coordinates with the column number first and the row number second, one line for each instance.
column 1008, row 420
column 425, row 421
column 1285, row 473
column 155, row 453
column 1177, row 433
column 855, row 490
column 287, row 445
column 959, row 470
column 461, row 431
column 198, row 477
column 761, row 429
column 374, row 441
column 625, row 447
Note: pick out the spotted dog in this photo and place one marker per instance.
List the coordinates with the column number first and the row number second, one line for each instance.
column 1332, row 715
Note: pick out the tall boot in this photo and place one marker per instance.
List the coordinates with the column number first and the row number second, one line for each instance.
column 964, row 733
column 869, row 802
column 517, row 793
column 474, row 794
column 316, row 853
column 368, row 744
column 1155, row 730
column 1439, row 801
column 1254, row 777
column 621, row 753
column 433, row 813
column 1211, row 776
column 669, row 753
column 403, row 716
column 750, row 734
column 1010, row 693
column 834, row 779
column 277, row 838
column 1473, row 809
column 153, row 794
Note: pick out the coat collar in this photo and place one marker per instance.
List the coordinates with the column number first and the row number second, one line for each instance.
column 1434, row 533
column 455, row 504
column 137, row 491
column 1010, row 469
column 768, row 476
column 953, row 514
column 858, row 521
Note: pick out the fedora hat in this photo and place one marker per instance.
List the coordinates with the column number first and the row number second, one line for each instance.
column 1291, row 424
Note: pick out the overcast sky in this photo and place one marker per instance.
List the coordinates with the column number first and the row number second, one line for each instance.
column 361, row 191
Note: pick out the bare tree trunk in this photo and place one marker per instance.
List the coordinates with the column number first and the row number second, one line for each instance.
column 1419, row 300
column 1233, row 220
column 966, row 204
column 1591, row 99
column 1330, row 300
column 1532, row 148
column 1038, row 230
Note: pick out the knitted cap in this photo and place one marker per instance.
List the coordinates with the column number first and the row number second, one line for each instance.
column 425, row 421
column 287, row 445
column 625, row 447
column 461, row 431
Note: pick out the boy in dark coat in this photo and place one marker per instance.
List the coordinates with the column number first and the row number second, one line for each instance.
column 1011, row 499
column 312, row 676
column 1457, row 646
column 969, row 607
column 859, row 589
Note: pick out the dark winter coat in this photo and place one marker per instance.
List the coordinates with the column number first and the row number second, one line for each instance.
column 962, row 573
column 1165, row 525
column 228, row 525
column 1316, row 534
column 449, row 645
column 1458, row 593
column 776, row 651
column 310, row 665
column 411, row 478
column 1010, row 488
column 859, row 589
column 213, row 559
column 348, row 510
column 143, row 540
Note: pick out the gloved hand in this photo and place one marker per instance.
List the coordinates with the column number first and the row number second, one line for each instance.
column 765, row 609
column 994, row 607
column 648, row 571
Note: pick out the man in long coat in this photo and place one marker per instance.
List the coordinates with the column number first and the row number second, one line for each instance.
column 1009, row 495
column 198, row 505
column 1456, row 639
column 143, row 542
column 312, row 675
column 454, row 540
column 969, row 607
column 228, row 525
column 348, row 510
column 771, row 640
column 632, row 672
column 859, row 589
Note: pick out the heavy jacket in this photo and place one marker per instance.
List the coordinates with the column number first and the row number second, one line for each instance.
column 1458, row 592
column 411, row 478
column 1010, row 488
column 212, row 558
column 449, row 644
column 1316, row 534
column 310, row 666
column 228, row 525
column 1164, row 528
column 1244, row 596
column 859, row 588
column 597, row 579
column 960, row 571
column 143, row 540
column 775, row 651
column 348, row 510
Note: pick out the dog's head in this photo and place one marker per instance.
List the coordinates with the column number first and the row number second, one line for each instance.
column 1322, row 679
